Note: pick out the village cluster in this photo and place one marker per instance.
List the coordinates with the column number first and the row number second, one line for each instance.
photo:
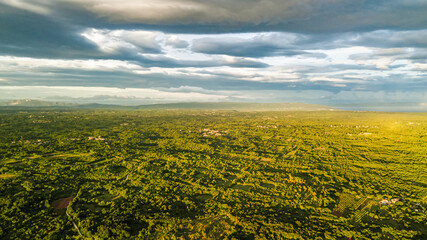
column 417, row 207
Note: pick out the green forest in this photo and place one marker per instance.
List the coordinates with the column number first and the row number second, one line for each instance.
column 206, row 174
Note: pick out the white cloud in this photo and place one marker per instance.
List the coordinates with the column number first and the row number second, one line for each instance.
column 115, row 41
column 356, row 67
column 420, row 66
column 176, row 42
column 19, row 64
column 339, row 85
column 325, row 79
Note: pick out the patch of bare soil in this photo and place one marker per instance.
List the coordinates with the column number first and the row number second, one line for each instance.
column 337, row 212
column 62, row 203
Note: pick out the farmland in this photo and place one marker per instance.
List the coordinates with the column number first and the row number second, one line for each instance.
column 194, row 174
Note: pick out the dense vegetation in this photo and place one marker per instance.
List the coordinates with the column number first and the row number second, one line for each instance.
column 212, row 174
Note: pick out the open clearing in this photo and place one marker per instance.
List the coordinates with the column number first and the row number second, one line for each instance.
column 62, row 203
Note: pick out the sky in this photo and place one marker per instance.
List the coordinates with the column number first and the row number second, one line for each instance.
column 157, row 51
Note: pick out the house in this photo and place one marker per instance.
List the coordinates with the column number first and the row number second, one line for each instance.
column 99, row 138
column 417, row 207
column 384, row 202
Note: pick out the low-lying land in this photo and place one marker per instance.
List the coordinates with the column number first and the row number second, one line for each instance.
column 191, row 174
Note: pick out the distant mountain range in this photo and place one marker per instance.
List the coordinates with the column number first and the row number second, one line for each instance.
column 34, row 103
column 238, row 106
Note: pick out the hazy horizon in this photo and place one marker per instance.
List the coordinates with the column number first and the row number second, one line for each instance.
column 133, row 102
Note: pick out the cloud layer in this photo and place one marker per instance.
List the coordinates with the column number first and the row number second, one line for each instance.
column 226, row 47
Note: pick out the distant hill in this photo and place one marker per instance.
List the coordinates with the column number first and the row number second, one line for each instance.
column 34, row 103
column 238, row 106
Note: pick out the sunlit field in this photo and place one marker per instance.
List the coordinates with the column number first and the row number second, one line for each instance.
column 212, row 175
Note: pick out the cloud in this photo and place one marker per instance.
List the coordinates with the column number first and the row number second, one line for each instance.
column 169, row 62
column 113, row 42
column 188, row 46
column 34, row 71
column 307, row 16
column 176, row 42
column 210, row 75
column 293, row 44
column 38, row 7
column 188, row 89
column 420, row 66
column 29, row 34
column 395, row 53
column 389, row 39
column 325, row 79
column 264, row 15
column 21, row 64
column 258, row 46
column 384, row 58
column 144, row 47
column 255, row 45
